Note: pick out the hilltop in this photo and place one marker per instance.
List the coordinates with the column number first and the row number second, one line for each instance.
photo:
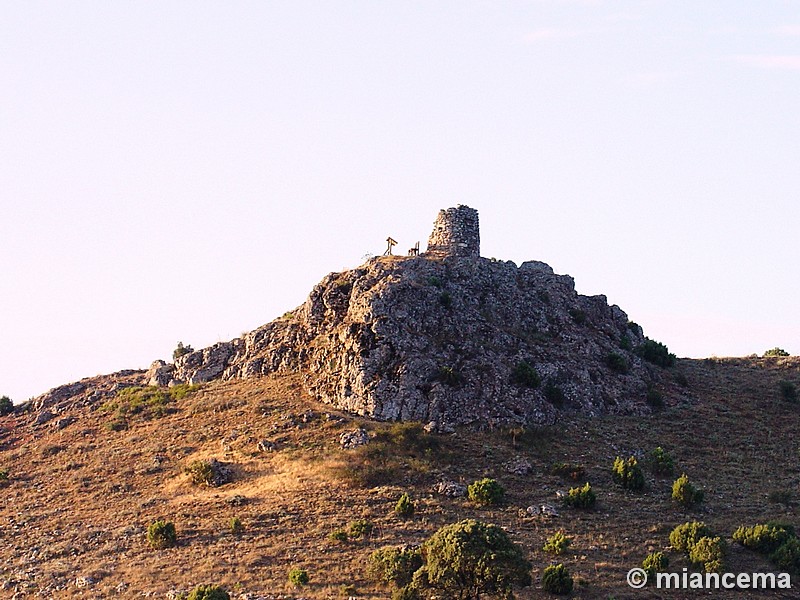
column 412, row 374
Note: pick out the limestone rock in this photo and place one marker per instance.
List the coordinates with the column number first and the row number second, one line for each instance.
column 518, row 466
column 353, row 439
column 159, row 373
column 451, row 489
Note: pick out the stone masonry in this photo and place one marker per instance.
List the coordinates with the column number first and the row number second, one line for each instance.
column 455, row 233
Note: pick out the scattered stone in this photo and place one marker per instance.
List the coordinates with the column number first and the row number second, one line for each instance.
column 64, row 422
column 267, row 446
column 451, row 489
column 518, row 466
column 43, row 417
column 159, row 373
column 353, row 439
column 82, row 582
column 542, row 510
column 237, row 500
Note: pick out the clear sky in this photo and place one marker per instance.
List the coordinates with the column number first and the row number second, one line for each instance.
column 189, row 170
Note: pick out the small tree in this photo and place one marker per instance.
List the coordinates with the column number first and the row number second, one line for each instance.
column 405, row 507
column 684, row 492
column 580, row 497
column 776, row 352
column 6, row 406
column 628, row 473
column 298, row 577
column 161, row 534
column 469, row 558
column 557, row 580
column 486, row 492
column 208, row 592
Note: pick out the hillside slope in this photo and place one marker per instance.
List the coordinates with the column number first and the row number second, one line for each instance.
column 84, row 485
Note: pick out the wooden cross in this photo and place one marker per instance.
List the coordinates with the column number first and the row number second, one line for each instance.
column 390, row 243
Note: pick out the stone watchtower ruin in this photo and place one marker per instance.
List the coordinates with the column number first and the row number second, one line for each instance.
column 455, row 233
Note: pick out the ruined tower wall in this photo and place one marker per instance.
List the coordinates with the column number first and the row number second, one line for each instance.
column 455, row 233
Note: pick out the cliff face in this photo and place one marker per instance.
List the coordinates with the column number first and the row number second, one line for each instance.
column 452, row 340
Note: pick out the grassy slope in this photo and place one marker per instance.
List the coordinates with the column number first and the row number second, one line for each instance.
column 79, row 499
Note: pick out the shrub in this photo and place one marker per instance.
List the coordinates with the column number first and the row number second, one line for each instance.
column 161, row 534
column 557, row 580
column 469, row 558
column 557, row 543
column 764, row 538
column 449, row 376
column 208, row 472
column 628, row 473
column 405, row 507
column 394, row 565
column 338, row 535
column 235, row 525
column 6, row 406
column 568, row 470
column 655, row 399
column 617, row 363
column 788, row 390
column 3, row 476
column 776, row 352
column 360, row 529
column 181, row 350
column 655, row 562
column 685, row 493
column 661, row 462
column 298, row 576
column 554, row 394
column 787, row 555
column 208, row 592
column 685, row 536
column 656, row 353
column 487, row 492
column 785, row 497
column 580, row 497
column 577, row 315
column 709, row 552
column 445, row 299
column 524, row 375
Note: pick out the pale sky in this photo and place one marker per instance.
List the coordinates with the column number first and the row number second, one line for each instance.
column 189, row 170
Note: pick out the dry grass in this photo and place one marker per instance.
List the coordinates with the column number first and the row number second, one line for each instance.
column 79, row 500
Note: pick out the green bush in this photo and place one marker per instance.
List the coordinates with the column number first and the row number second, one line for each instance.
column 787, row 555
column 298, row 576
column 656, row 353
column 577, row 315
column 628, row 474
column 147, row 402
column 655, row 399
column 338, row 535
column 405, row 507
column 161, row 534
column 3, row 476
column 557, row 580
column 685, row 493
column 655, row 562
column 788, row 390
column 449, row 376
column 208, row 592
column 554, row 394
column 469, row 558
column 524, row 375
column 776, row 352
column 785, row 497
column 762, row 538
column 181, row 350
column 235, row 525
column 201, row 472
column 557, row 543
column 6, row 406
column 487, row 492
column 580, row 497
column 709, row 552
column 393, row 565
column 617, row 363
column 661, row 462
column 360, row 529
column 685, row 536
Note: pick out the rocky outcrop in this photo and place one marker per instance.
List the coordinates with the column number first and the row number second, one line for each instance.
column 452, row 340
column 443, row 338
